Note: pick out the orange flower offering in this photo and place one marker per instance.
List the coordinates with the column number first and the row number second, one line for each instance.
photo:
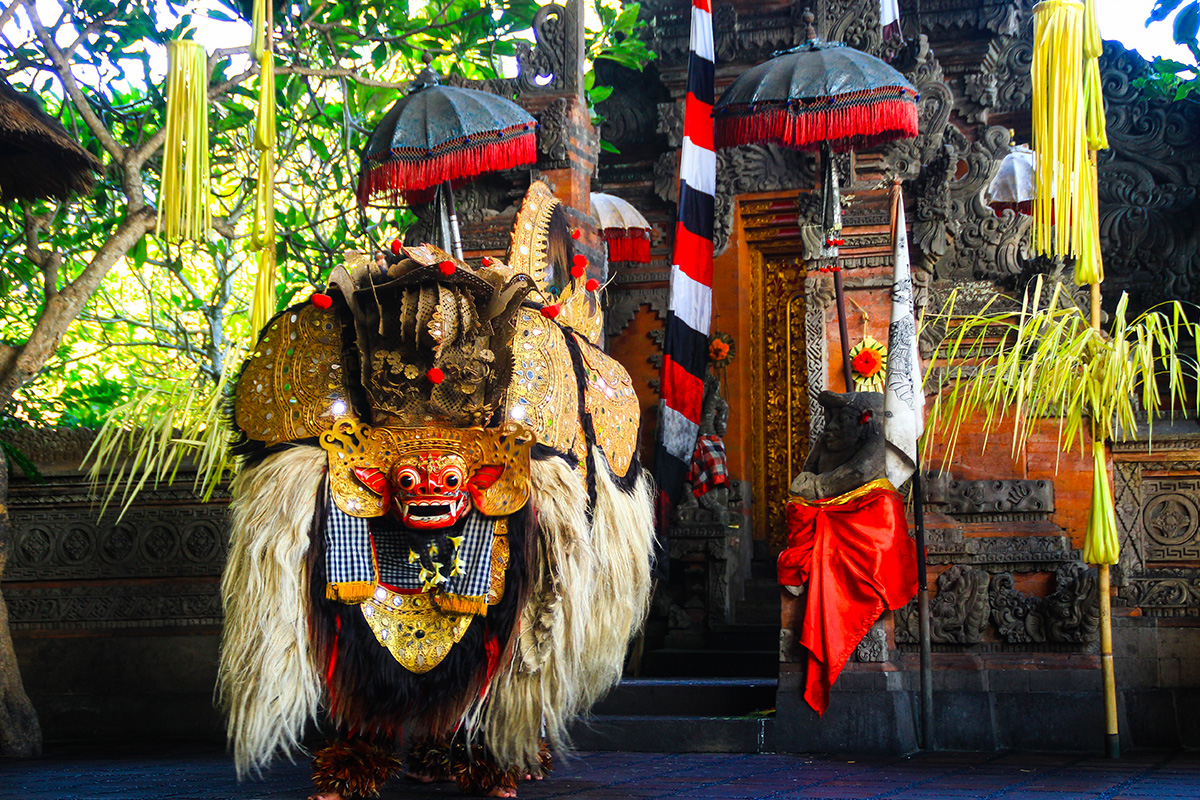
column 867, row 362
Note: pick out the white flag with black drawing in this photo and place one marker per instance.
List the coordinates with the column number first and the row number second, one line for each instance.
column 889, row 18
column 904, row 400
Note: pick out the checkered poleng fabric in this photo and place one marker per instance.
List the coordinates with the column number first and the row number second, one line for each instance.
column 348, row 553
column 708, row 469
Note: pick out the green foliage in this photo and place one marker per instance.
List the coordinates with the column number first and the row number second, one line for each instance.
column 1175, row 80
column 1047, row 361
column 169, row 312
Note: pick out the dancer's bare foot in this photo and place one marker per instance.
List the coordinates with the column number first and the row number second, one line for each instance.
column 501, row 791
column 325, row 796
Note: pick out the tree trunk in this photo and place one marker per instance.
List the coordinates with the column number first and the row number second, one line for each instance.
column 20, row 733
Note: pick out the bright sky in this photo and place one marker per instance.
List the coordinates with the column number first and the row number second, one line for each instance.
column 1125, row 21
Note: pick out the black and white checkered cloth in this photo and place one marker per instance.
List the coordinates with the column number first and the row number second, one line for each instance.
column 347, row 547
column 348, row 552
column 475, row 552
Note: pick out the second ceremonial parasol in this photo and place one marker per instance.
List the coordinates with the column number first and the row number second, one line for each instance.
column 821, row 94
column 437, row 135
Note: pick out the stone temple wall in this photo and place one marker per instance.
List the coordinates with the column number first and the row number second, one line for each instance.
column 116, row 623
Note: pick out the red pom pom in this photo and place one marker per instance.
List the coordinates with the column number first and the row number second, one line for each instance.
column 576, row 233
column 592, row 285
column 321, row 301
column 579, row 260
column 551, row 311
column 576, row 272
column 487, row 262
column 396, row 247
column 435, row 375
column 447, row 268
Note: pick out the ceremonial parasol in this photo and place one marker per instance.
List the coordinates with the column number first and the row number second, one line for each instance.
column 821, row 94
column 1012, row 187
column 624, row 228
column 443, row 135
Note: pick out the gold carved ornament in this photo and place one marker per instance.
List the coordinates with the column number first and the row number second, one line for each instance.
column 610, row 399
column 413, row 629
column 419, row 629
column 352, row 444
column 530, row 235
column 294, row 383
column 542, row 392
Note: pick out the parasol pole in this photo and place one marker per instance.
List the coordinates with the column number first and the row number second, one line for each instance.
column 455, row 236
column 832, row 225
column 923, row 624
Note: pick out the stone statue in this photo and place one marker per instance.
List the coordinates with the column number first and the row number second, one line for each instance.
column 851, row 452
column 707, row 485
column 849, row 557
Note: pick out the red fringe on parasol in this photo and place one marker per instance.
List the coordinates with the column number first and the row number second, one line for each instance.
column 400, row 175
column 628, row 244
column 847, row 127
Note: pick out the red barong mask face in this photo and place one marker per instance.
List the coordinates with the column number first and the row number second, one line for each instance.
column 429, row 489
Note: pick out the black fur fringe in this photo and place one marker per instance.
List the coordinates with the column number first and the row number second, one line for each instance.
column 354, row 769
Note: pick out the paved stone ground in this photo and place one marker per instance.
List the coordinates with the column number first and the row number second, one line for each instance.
column 181, row 772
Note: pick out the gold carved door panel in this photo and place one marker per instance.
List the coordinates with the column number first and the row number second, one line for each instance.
column 781, row 390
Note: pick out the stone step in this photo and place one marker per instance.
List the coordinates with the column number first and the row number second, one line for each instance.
column 747, row 636
column 675, row 734
column 751, row 613
column 689, row 663
column 716, row 697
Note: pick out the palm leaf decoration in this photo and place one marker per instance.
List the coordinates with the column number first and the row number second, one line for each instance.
column 1047, row 361
column 163, row 430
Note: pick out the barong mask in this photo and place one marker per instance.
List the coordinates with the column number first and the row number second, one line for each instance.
column 429, row 489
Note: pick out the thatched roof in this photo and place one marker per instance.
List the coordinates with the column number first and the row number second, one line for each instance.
column 38, row 158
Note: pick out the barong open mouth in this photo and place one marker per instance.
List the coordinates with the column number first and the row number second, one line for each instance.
column 433, row 512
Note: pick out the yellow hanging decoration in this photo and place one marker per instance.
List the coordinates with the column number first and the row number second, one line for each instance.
column 185, row 193
column 1093, row 92
column 262, row 237
column 1100, row 545
column 1058, row 122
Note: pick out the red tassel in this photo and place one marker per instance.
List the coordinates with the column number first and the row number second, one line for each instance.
column 447, row 268
column 592, row 285
column 401, row 176
column 550, row 311
column 853, row 122
column 435, row 375
column 628, row 244
column 321, row 301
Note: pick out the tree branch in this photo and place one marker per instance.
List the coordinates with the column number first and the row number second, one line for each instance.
column 20, row 364
column 63, row 67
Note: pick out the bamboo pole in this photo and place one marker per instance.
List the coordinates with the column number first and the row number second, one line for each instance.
column 1112, row 738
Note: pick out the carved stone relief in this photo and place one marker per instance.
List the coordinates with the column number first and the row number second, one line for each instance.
column 968, row 599
column 624, row 305
column 957, row 613
column 1148, row 188
column 1156, row 503
column 997, row 16
column 1068, row 615
column 69, row 570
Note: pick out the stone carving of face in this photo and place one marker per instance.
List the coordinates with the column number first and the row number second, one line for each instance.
column 429, row 489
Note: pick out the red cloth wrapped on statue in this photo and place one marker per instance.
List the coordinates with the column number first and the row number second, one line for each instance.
column 854, row 555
